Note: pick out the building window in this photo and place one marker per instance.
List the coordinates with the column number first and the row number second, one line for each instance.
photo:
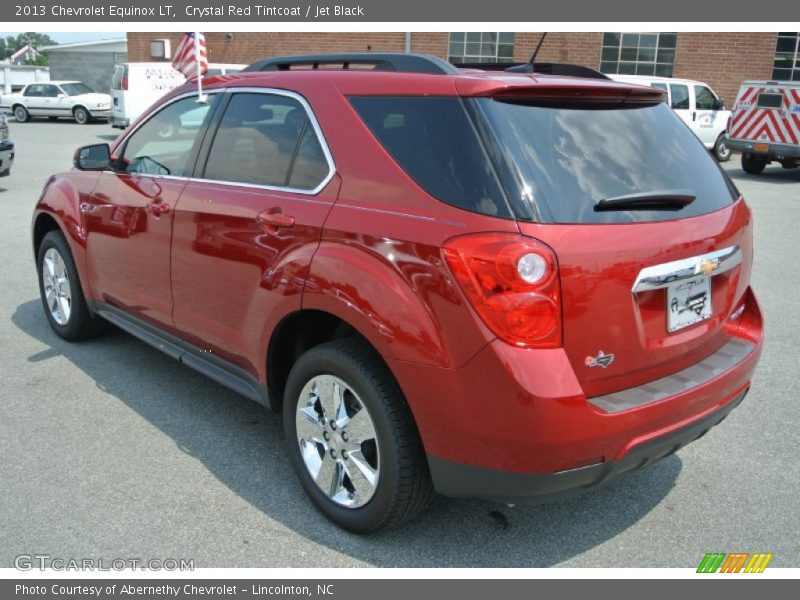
column 787, row 57
column 638, row 53
column 479, row 47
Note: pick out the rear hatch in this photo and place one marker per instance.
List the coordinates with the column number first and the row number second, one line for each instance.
column 653, row 244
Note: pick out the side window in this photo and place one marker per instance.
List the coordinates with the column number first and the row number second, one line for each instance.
column 680, row 95
column 164, row 143
column 51, row 91
column 257, row 140
column 33, row 90
column 704, row 98
column 310, row 166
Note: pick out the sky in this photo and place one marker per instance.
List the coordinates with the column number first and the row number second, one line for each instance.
column 68, row 37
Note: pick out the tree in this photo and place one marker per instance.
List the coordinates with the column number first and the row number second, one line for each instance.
column 11, row 44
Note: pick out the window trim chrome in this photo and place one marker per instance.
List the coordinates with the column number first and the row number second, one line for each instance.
column 667, row 274
column 128, row 134
column 317, row 130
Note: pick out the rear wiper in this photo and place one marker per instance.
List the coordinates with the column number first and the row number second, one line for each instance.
column 657, row 200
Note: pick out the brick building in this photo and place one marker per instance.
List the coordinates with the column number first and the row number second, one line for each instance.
column 723, row 60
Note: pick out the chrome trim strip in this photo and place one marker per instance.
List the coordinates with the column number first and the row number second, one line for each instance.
column 733, row 353
column 317, row 129
column 666, row 274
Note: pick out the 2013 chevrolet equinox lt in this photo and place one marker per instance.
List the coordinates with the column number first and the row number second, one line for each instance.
column 507, row 286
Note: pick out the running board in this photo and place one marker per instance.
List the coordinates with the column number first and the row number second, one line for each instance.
column 213, row 367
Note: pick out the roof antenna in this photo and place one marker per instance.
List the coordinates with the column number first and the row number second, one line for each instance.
column 528, row 66
column 536, row 51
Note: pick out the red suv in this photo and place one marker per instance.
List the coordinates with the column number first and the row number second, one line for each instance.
column 512, row 286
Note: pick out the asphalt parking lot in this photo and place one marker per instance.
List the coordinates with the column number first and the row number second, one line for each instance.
column 108, row 449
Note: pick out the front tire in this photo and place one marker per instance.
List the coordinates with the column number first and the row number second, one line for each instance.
column 352, row 440
column 721, row 150
column 754, row 165
column 21, row 114
column 61, row 291
column 81, row 115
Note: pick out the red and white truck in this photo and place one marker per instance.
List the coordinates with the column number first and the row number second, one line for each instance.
column 765, row 124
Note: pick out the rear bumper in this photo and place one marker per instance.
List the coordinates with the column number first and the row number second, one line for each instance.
column 774, row 152
column 514, row 423
column 460, row 480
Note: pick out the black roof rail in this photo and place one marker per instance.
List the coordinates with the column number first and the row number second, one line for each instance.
column 389, row 61
column 564, row 69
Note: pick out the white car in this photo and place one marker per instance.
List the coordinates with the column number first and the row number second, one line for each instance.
column 697, row 105
column 55, row 99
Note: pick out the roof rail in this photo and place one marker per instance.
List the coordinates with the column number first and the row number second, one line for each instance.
column 564, row 69
column 405, row 63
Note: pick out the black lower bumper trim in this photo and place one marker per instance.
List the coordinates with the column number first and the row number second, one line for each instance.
column 774, row 152
column 467, row 481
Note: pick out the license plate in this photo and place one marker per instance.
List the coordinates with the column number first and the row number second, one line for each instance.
column 761, row 147
column 688, row 302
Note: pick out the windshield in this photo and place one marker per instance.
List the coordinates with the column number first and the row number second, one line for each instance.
column 565, row 160
column 76, row 89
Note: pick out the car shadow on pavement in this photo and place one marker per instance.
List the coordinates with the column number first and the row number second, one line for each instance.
column 241, row 444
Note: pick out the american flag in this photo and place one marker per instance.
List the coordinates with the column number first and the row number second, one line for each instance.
column 191, row 56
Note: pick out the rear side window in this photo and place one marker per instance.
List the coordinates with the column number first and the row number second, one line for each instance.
column 568, row 159
column 33, row 90
column 266, row 139
column 680, row 96
column 434, row 141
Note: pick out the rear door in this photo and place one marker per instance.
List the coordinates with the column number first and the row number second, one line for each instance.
column 34, row 99
column 247, row 225
column 119, row 85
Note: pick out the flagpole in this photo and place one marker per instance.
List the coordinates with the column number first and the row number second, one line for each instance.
column 200, row 97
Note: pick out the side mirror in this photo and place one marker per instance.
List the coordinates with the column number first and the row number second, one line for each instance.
column 61, row 96
column 96, row 157
column 719, row 104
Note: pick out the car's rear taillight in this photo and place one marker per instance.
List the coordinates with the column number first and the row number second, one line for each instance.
column 124, row 84
column 512, row 283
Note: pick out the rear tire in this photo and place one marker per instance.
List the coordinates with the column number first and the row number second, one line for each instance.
column 788, row 164
column 390, row 482
column 721, row 150
column 81, row 115
column 754, row 165
column 61, row 291
column 21, row 114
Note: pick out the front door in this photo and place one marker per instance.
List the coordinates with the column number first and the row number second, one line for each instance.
column 129, row 216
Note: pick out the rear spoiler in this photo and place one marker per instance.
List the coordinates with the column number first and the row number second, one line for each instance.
column 543, row 68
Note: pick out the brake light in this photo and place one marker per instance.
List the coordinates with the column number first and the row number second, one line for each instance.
column 124, row 84
column 512, row 283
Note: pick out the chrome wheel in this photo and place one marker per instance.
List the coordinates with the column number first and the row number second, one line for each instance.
column 57, row 289
column 338, row 441
column 81, row 116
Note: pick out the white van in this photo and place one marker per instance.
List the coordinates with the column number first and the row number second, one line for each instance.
column 135, row 86
column 697, row 104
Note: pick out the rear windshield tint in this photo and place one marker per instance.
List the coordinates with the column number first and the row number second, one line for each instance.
column 567, row 159
column 769, row 100
column 433, row 139
column 545, row 164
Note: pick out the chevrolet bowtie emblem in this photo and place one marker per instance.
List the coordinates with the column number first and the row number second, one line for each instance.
column 707, row 266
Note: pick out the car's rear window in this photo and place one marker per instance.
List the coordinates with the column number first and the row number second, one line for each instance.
column 538, row 163
column 434, row 141
column 567, row 159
